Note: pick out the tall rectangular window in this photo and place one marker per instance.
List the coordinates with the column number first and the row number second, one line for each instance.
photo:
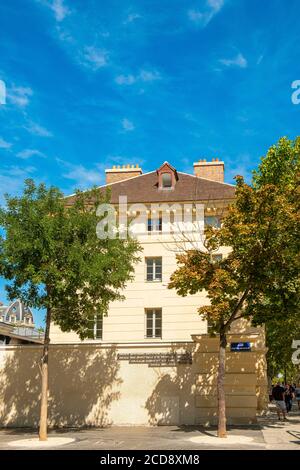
column 155, row 224
column 153, row 323
column 154, row 269
column 96, row 328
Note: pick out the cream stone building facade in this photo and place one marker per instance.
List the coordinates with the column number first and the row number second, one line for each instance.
column 152, row 360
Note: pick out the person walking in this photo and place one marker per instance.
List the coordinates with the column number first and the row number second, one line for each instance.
column 288, row 397
column 297, row 395
column 278, row 393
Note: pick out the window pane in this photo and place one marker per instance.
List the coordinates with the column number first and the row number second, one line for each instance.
column 149, row 333
column 99, row 327
column 213, row 221
column 149, row 320
column 158, row 262
column 150, row 263
column 166, row 180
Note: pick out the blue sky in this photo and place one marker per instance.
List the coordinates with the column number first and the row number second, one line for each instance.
column 95, row 83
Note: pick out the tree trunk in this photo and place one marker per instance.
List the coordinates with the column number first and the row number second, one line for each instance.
column 221, row 392
column 44, row 367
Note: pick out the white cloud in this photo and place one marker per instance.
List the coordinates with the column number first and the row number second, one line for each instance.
column 149, row 75
column 125, row 79
column 202, row 18
column 127, row 125
column 143, row 76
column 19, row 95
column 12, row 179
column 237, row 61
column 132, row 17
column 81, row 176
column 58, row 7
column 4, row 144
column 27, row 153
column 195, row 15
column 36, row 129
column 94, row 58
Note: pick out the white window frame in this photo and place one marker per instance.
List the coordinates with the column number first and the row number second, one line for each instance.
column 94, row 329
column 157, row 227
column 154, row 258
column 154, row 312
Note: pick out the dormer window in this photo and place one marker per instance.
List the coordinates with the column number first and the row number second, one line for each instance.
column 167, row 176
column 166, row 180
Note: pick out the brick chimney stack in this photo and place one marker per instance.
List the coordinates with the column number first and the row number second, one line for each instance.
column 213, row 170
column 120, row 173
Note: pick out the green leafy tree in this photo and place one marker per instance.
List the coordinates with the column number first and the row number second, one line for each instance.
column 280, row 333
column 261, row 273
column 53, row 259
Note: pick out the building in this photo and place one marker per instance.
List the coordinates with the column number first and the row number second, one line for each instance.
column 152, row 360
column 16, row 313
column 17, row 325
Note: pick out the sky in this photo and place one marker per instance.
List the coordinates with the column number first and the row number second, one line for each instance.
column 91, row 84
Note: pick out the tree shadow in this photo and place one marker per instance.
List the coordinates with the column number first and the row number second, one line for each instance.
column 187, row 395
column 173, row 399
column 83, row 383
column 295, row 434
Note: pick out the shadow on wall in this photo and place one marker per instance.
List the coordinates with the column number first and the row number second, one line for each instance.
column 83, row 382
column 173, row 400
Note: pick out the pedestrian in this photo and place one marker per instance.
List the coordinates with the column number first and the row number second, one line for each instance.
column 297, row 395
column 278, row 393
column 288, row 397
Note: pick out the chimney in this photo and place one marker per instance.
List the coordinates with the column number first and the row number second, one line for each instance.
column 120, row 173
column 213, row 170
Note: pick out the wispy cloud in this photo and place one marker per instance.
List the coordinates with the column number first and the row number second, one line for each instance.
column 80, row 175
column 127, row 125
column 143, row 76
column 125, row 79
column 19, row 95
column 28, row 153
column 203, row 17
column 4, row 144
column 94, row 58
column 237, row 61
column 12, row 179
column 131, row 18
column 58, row 7
column 38, row 130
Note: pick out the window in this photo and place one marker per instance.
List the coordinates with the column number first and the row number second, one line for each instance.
column 213, row 221
column 166, row 180
column 153, row 323
column 154, row 269
column 96, row 329
column 155, row 224
column 12, row 318
column 28, row 320
column 217, row 257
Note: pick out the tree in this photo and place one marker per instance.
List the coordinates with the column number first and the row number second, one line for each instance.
column 52, row 258
column 280, row 333
column 261, row 273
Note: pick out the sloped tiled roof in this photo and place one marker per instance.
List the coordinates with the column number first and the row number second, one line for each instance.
column 144, row 189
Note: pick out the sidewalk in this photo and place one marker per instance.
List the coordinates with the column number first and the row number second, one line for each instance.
column 281, row 434
column 268, row 434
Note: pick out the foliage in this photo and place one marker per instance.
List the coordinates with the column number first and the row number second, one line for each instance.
column 53, row 259
column 280, row 333
column 260, row 276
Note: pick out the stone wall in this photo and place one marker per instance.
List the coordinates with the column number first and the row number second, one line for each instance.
column 90, row 386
